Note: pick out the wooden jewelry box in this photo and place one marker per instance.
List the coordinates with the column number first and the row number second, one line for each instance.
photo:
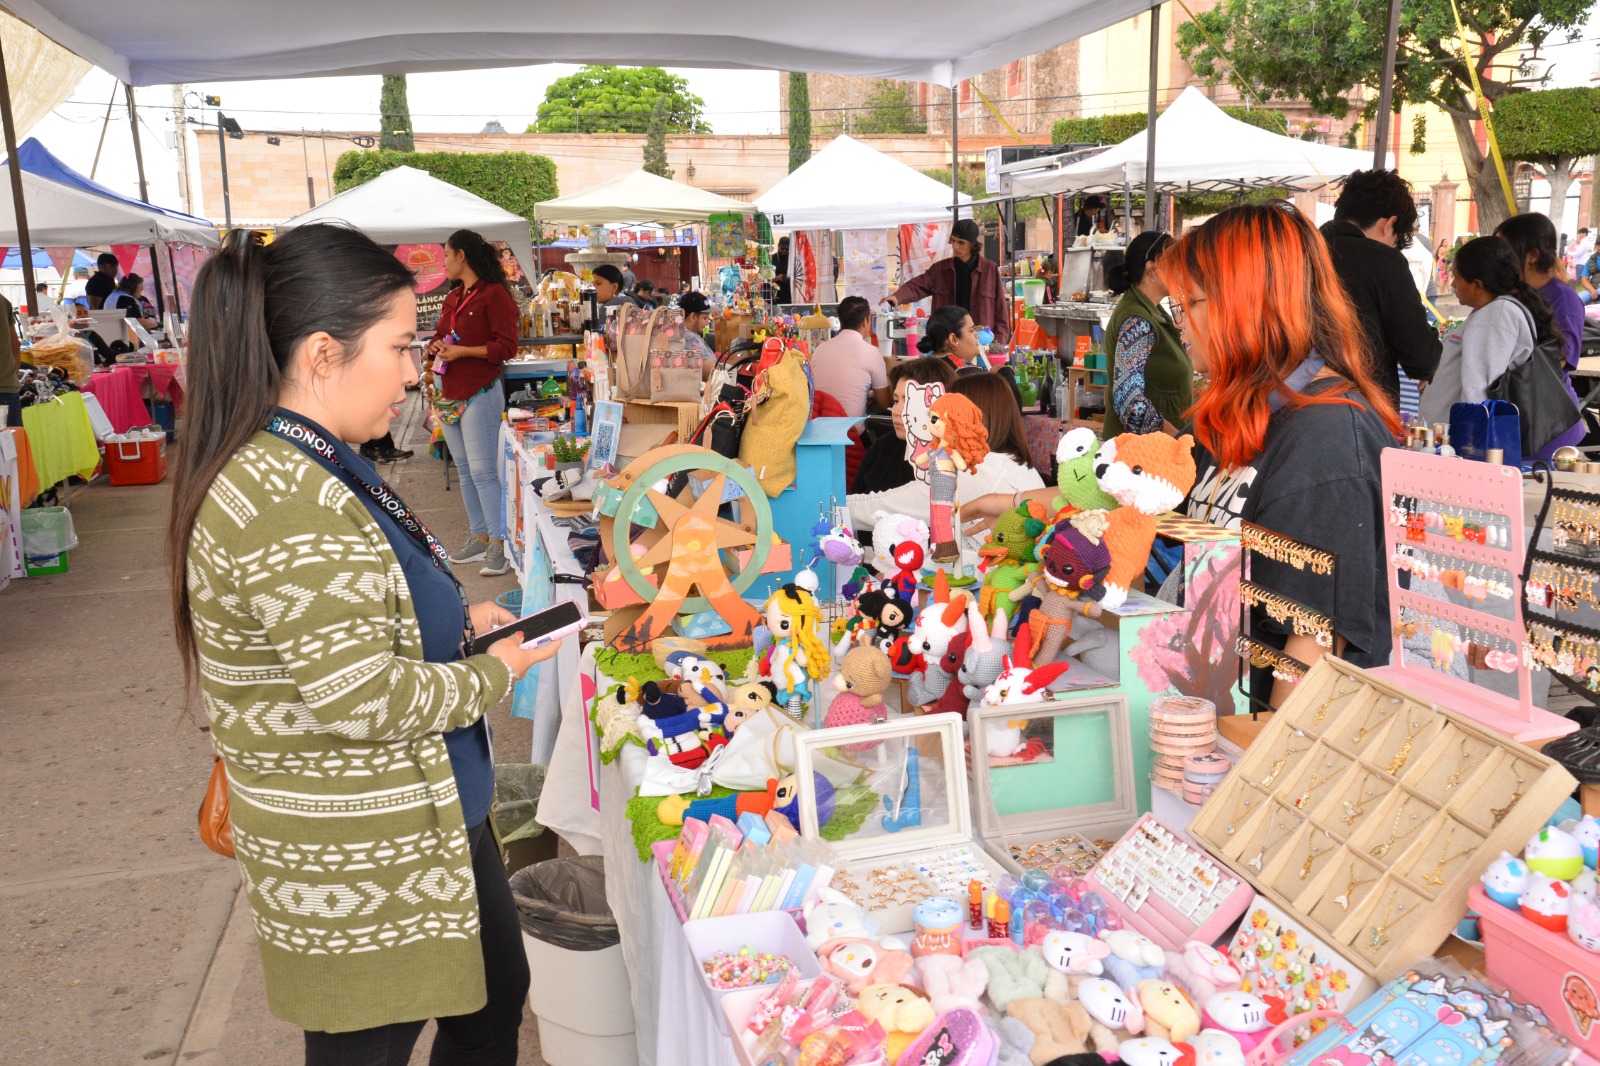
column 1366, row 814
column 917, row 840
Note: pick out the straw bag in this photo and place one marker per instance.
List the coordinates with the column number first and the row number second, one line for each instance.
column 631, row 327
column 216, row 829
column 654, row 364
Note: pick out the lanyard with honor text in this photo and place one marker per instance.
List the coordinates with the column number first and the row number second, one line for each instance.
column 389, row 503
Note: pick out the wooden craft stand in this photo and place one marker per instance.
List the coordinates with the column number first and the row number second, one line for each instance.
column 1496, row 490
column 1362, row 805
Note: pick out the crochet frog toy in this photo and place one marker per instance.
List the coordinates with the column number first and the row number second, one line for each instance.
column 1075, row 475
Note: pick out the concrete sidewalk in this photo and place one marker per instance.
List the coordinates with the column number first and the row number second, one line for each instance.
column 126, row 941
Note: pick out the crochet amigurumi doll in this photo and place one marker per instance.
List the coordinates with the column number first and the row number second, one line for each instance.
column 862, row 678
column 782, row 795
column 679, row 725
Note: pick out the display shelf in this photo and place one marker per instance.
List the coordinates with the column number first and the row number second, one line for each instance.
column 1258, row 540
column 1384, row 804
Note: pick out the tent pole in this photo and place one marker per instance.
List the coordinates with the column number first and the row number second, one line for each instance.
column 955, row 163
column 144, row 194
column 1386, row 89
column 24, row 239
column 1150, row 125
column 105, row 124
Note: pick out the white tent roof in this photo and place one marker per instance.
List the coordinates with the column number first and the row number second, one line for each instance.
column 1200, row 149
column 850, row 185
column 60, row 216
column 638, row 197
column 159, row 42
column 406, row 205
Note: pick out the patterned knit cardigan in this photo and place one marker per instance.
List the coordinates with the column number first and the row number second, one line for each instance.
column 346, row 822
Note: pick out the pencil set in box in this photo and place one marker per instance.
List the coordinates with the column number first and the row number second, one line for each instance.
column 718, row 867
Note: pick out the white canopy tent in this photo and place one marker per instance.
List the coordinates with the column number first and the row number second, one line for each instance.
column 407, row 205
column 60, row 216
column 234, row 40
column 638, row 197
column 1199, row 148
column 850, row 185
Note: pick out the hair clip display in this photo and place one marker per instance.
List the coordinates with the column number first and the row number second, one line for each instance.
column 1262, row 656
column 1304, row 621
column 1281, row 549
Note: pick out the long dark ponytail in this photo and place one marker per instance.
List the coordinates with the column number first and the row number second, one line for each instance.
column 481, row 257
column 944, row 323
column 1492, row 262
column 251, row 308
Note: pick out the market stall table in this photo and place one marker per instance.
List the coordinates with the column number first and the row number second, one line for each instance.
column 121, row 391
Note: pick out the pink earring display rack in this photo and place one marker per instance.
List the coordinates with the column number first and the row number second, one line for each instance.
column 1464, row 518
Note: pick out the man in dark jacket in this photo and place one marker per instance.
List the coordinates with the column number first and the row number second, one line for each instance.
column 1373, row 219
column 965, row 279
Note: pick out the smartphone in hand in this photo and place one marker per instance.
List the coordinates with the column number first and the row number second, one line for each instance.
column 540, row 627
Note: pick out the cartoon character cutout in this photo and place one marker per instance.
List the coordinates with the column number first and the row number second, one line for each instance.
column 1578, row 995
column 919, row 440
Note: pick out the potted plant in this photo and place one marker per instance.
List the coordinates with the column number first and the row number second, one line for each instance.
column 570, row 454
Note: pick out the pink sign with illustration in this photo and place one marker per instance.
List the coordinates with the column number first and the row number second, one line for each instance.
column 427, row 260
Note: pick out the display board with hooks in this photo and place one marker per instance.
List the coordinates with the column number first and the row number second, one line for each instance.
column 1257, row 540
column 1561, row 589
column 1459, row 523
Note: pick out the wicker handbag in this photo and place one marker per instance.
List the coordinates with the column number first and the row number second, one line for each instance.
column 216, row 829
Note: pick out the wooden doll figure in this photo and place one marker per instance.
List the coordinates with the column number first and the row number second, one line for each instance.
column 960, row 442
column 797, row 656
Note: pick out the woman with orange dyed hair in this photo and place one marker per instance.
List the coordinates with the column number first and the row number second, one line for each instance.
column 1291, row 425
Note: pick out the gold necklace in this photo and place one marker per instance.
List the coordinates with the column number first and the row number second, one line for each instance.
column 1500, row 812
column 1380, row 932
column 1343, row 898
column 1461, row 767
column 1278, row 764
column 1404, row 754
column 1436, row 878
column 1322, row 712
column 1355, row 810
column 1266, row 841
column 1300, row 801
column 1313, row 855
column 1367, row 723
column 1381, row 850
column 1238, row 809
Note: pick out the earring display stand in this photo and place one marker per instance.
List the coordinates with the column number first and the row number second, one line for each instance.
column 1456, row 490
column 1258, row 540
column 1365, row 814
column 1561, row 582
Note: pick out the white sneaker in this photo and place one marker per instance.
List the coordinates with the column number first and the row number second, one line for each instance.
column 471, row 551
column 495, row 562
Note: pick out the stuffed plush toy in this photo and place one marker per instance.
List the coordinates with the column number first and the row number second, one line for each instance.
column 1111, row 1006
column 1203, row 971
column 952, row 981
column 1073, row 954
column 985, row 658
column 746, row 700
column 936, row 688
column 883, row 617
column 1073, row 563
column 859, row 962
column 698, row 671
column 782, row 795
column 1154, row 1051
column 1213, row 1047
column 861, row 680
column 1246, row 1017
column 1007, row 558
column 1134, row 958
column 1012, row 974
column 679, row 727
column 1148, row 474
column 1075, row 473
column 1168, row 1013
column 903, row 1011
column 835, row 916
column 1058, row 1028
column 940, row 621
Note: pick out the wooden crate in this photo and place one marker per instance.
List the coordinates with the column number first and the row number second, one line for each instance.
column 1350, row 807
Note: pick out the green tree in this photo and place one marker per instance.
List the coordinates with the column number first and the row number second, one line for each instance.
column 655, row 141
column 972, row 185
column 512, row 180
column 395, row 113
column 890, row 109
column 606, row 99
column 1321, row 52
column 1553, row 129
column 1118, row 127
column 799, row 120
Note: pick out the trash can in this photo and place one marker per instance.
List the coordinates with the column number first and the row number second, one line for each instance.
column 580, row 991
column 516, row 800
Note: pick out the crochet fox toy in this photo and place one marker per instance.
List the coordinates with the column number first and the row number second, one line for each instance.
column 1148, row 474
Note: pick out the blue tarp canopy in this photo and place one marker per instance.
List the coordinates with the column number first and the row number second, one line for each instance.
column 66, row 208
column 37, row 159
column 41, row 259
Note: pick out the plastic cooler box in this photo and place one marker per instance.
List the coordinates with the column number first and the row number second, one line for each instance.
column 137, row 462
column 1544, row 968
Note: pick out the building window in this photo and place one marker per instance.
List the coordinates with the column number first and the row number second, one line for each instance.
column 1014, row 79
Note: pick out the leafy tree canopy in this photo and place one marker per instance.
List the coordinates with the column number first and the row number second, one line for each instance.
column 607, row 99
column 512, row 180
column 396, row 114
column 799, row 120
column 1548, row 124
column 890, row 108
column 1116, row 128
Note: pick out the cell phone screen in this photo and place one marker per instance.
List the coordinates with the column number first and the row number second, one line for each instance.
column 548, row 624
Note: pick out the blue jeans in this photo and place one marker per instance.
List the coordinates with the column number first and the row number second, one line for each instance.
column 475, row 446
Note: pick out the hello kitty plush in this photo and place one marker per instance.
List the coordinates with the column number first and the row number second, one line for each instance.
column 1583, row 886
column 1110, row 1005
column 1247, row 1017
column 1505, row 880
column 1075, row 953
column 1554, row 853
column 1213, row 1047
column 1203, row 971
column 1153, row 1051
column 1587, row 834
column 1547, row 902
column 1583, row 925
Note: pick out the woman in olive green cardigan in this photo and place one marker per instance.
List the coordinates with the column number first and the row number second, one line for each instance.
column 328, row 691
column 1152, row 380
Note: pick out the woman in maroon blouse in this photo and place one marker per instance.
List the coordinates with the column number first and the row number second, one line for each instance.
column 477, row 333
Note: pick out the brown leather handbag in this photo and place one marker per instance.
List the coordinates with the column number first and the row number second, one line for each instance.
column 216, row 830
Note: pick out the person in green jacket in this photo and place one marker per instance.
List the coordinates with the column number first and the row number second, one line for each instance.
column 331, row 646
column 1152, row 380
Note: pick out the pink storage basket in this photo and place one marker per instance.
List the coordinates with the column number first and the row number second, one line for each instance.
column 1544, row 968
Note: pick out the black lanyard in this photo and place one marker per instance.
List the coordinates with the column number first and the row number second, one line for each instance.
column 388, row 502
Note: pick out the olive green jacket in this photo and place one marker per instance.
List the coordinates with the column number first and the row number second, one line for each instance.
column 1168, row 373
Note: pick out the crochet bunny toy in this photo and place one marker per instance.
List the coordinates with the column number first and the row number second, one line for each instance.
column 985, row 658
column 1148, row 474
column 952, row 981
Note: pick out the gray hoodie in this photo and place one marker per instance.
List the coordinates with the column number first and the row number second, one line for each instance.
column 1495, row 338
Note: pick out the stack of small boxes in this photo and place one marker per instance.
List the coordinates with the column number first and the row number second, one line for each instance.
column 1181, row 728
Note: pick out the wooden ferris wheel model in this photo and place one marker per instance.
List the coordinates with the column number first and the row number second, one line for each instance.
column 671, row 552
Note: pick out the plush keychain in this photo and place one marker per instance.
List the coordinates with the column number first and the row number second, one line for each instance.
column 1075, row 477
column 1168, row 1013
column 860, row 962
column 1246, row 1017
column 903, row 1011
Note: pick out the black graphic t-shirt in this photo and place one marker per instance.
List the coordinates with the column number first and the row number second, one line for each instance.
column 1317, row 480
